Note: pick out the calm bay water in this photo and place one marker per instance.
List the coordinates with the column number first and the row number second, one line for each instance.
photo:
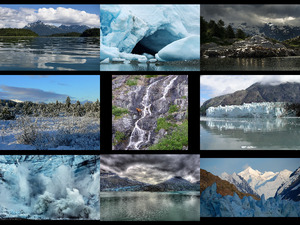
column 249, row 133
column 49, row 53
column 270, row 64
column 150, row 206
column 147, row 67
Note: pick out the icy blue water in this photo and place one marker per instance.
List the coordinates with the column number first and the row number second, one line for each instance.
column 249, row 133
column 49, row 53
column 269, row 64
column 147, row 67
column 149, row 206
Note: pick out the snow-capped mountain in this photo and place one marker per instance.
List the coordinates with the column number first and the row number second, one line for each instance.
column 265, row 183
column 43, row 29
column 291, row 188
column 16, row 100
column 278, row 32
column 241, row 184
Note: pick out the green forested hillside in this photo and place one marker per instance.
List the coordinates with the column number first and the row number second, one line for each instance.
column 17, row 32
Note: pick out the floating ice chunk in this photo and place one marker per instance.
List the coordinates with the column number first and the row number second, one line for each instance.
column 152, row 60
column 118, row 60
column 105, row 61
column 184, row 49
column 143, row 60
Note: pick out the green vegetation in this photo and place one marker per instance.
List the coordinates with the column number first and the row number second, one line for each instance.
column 70, row 34
column 93, row 32
column 162, row 123
column 174, row 141
column 119, row 137
column 118, row 112
column 218, row 33
column 149, row 76
column 173, row 108
column 133, row 81
column 16, row 32
column 292, row 43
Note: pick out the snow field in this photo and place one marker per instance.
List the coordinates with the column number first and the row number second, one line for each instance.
column 57, row 133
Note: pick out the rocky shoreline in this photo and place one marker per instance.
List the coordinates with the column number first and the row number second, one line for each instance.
column 252, row 47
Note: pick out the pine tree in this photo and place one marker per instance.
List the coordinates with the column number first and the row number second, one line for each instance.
column 68, row 102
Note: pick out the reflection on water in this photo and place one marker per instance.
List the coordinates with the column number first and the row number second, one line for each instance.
column 271, row 64
column 147, row 67
column 49, row 53
column 249, row 133
column 149, row 206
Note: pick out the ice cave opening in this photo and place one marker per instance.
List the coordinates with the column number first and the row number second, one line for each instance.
column 153, row 43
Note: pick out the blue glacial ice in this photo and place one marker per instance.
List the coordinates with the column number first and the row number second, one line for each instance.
column 49, row 187
column 162, row 29
column 213, row 204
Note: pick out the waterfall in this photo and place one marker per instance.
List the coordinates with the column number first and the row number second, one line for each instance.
column 138, row 133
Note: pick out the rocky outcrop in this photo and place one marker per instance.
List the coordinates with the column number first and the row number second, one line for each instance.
column 223, row 187
column 157, row 96
column 252, row 47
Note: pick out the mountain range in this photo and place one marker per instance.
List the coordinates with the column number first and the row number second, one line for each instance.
column 265, row 183
column 43, row 29
column 110, row 181
column 291, row 188
column 278, row 32
column 258, row 92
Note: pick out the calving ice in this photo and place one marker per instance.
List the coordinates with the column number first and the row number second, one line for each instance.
column 50, row 187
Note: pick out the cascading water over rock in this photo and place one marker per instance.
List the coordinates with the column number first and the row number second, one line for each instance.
column 153, row 96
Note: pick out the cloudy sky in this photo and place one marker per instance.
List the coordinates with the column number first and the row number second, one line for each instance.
column 49, row 88
column 151, row 168
column 254, row 14
column 217, row 166
column 216, row 85
column 18, row 16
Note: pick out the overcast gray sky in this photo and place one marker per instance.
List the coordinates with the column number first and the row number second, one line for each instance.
column 153, row 168
column 253, row 14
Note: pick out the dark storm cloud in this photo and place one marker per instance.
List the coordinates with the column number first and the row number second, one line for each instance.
column 253, row 14
column 153, row 168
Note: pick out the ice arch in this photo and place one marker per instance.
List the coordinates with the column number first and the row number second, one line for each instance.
column 127, row 31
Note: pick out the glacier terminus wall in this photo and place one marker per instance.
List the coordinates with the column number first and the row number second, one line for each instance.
column 250, row 110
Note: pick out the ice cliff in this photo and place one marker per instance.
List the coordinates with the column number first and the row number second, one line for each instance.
column 49, row 187
column 170, row 32
column 252, row 110
column 213, row 204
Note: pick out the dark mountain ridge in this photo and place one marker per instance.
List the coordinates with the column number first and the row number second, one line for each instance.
column 112, row 182
column 43, row 29
column 285, row 92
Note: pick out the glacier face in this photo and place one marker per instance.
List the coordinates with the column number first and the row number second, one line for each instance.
column 213, row 204
column 50, row 187
column 150, row 28
column 251, row 110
